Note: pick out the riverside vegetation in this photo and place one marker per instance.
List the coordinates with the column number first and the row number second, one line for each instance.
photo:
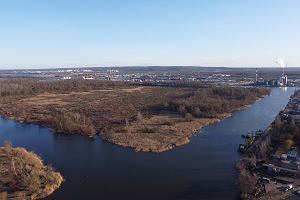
column 24, row 176
column 146, row 118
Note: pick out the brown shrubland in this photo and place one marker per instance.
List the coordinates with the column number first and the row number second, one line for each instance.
column 147, row 118
column 23, row 171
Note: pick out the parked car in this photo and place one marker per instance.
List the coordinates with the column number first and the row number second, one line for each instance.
column 289, row 187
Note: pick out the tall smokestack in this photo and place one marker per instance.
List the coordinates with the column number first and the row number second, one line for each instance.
column 283, row 78
column 256, row 76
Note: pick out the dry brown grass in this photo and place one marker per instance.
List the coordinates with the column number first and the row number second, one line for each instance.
column 168, row 132
column 23, row 171
column 169, row 115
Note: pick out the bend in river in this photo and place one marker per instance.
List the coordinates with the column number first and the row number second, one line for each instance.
column 203, row 169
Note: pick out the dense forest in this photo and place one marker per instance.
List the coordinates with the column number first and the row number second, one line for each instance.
column 28, row 86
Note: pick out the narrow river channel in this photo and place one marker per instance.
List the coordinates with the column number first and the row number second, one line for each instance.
column 95, row 169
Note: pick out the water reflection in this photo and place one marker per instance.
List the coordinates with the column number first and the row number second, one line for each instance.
column 203, row 169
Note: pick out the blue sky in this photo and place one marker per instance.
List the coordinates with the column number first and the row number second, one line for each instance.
column 73, row 33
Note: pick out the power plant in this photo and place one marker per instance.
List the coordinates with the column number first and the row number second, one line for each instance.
column 281, row 81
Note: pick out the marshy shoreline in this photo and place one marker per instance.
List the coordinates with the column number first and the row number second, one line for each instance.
column 187, row 128
column 145, row 118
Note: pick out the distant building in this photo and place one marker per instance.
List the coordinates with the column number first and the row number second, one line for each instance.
column 283, row 81
column 112, row 70
column 88, row 78
column 292, row 154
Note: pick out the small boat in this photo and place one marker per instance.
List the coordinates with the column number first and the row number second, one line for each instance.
column 242, row 148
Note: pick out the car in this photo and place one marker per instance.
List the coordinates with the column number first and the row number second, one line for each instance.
column 289, row 187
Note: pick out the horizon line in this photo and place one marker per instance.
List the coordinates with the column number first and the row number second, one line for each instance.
column 141, row 66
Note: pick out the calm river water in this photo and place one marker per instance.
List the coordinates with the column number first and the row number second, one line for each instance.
column 95, row 169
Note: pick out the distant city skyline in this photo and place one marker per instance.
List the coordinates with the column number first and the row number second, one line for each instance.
column 71, row 33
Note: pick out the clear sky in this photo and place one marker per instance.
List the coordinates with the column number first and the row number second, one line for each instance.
column 76, row 33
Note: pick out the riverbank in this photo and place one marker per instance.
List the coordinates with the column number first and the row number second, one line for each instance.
column 270, row 168
column 24, row 176
column 169, row 131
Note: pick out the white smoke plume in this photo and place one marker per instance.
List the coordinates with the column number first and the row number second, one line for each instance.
column 281, row 62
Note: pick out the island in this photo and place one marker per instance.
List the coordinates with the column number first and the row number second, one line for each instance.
column 146, row 117
column 24, row 175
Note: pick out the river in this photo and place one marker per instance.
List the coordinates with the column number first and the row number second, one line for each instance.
column 95, row 169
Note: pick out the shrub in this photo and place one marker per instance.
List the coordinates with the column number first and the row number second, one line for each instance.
column 148, row 130
column 188, row 117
